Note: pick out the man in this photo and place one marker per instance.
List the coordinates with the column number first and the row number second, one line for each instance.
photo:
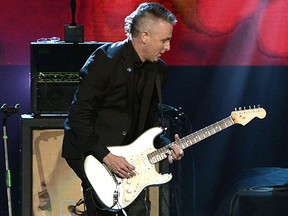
column 117, row 99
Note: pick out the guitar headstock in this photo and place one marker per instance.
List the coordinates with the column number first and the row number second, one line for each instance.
column 244, row 116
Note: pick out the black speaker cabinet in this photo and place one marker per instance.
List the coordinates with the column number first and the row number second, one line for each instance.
column 48, row 184
column 55, row 75
column 265, row 203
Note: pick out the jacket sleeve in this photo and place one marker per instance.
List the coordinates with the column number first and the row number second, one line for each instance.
column 94, row 78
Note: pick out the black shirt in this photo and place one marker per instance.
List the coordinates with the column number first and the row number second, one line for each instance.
column 139, row 71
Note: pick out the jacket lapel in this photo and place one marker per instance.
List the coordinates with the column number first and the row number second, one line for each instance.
column 128, row 68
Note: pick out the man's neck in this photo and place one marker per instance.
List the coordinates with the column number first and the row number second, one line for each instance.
column 138, row 46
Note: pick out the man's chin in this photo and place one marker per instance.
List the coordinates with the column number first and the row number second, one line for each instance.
column 156, row 59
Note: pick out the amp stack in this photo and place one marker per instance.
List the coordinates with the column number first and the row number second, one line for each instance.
column 55, row 75
column 54, row 80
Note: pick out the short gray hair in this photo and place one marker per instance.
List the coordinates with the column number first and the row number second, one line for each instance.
column 153, row 10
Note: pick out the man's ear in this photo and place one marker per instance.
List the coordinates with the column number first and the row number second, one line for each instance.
column 144, row 37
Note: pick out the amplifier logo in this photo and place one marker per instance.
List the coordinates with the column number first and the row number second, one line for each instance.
column 58, row 77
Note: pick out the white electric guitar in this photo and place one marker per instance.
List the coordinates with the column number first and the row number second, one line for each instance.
column 115, row 193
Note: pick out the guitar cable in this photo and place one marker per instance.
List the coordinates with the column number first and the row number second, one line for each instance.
column 73, row 208
column 95, row 203
column 115, row 194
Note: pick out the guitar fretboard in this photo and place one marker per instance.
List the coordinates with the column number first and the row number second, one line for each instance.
column 191, row 139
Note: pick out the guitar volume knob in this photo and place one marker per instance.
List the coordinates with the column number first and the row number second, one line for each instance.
column 129, row 190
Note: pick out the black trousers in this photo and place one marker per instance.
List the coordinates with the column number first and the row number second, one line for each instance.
column 140, row 207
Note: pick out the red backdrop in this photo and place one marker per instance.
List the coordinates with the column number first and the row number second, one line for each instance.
column 209, row 32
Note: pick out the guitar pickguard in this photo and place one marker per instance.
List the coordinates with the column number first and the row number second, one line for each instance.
column 146, row 175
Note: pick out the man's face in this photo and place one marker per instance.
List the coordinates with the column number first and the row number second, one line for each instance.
column 158, row 40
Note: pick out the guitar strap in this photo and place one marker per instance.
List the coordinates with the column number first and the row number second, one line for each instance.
column 160, row 105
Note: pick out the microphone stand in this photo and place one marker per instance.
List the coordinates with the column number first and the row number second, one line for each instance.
column 8, row 111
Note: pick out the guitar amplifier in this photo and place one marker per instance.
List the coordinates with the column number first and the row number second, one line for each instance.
column 55, row 75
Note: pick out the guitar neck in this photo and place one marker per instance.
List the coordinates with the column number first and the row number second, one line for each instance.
column 191, row 139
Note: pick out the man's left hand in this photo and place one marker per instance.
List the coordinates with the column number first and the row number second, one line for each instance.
column 176, row 152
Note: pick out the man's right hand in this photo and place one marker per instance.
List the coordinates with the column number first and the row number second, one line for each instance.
column 119, row 165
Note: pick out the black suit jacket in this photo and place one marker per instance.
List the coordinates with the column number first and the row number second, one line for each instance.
column 101, row 111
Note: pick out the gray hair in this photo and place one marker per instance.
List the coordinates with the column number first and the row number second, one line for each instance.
column 150, row 10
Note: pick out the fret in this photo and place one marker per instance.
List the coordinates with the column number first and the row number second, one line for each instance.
column 188, row 142
column 208, row 131
column 162, row 152
column 205, row 132
column 214, row 128
column 225, row 123
column 184, row 143
column 217, row 127
column 222, row 125
column 153, row 157
column 158, row 155
column 158, row 158
column 211, row 130
column 192, row 139
column 197, row 137
column 201, row 134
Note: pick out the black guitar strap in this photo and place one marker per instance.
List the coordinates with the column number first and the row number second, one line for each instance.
column 160, row 105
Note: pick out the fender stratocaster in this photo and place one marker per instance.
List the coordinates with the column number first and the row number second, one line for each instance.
column 115, row 193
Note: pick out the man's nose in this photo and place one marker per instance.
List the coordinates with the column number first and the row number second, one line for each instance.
column 167, row 46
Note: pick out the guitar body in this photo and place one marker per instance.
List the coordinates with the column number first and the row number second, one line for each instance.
column 116, row 193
